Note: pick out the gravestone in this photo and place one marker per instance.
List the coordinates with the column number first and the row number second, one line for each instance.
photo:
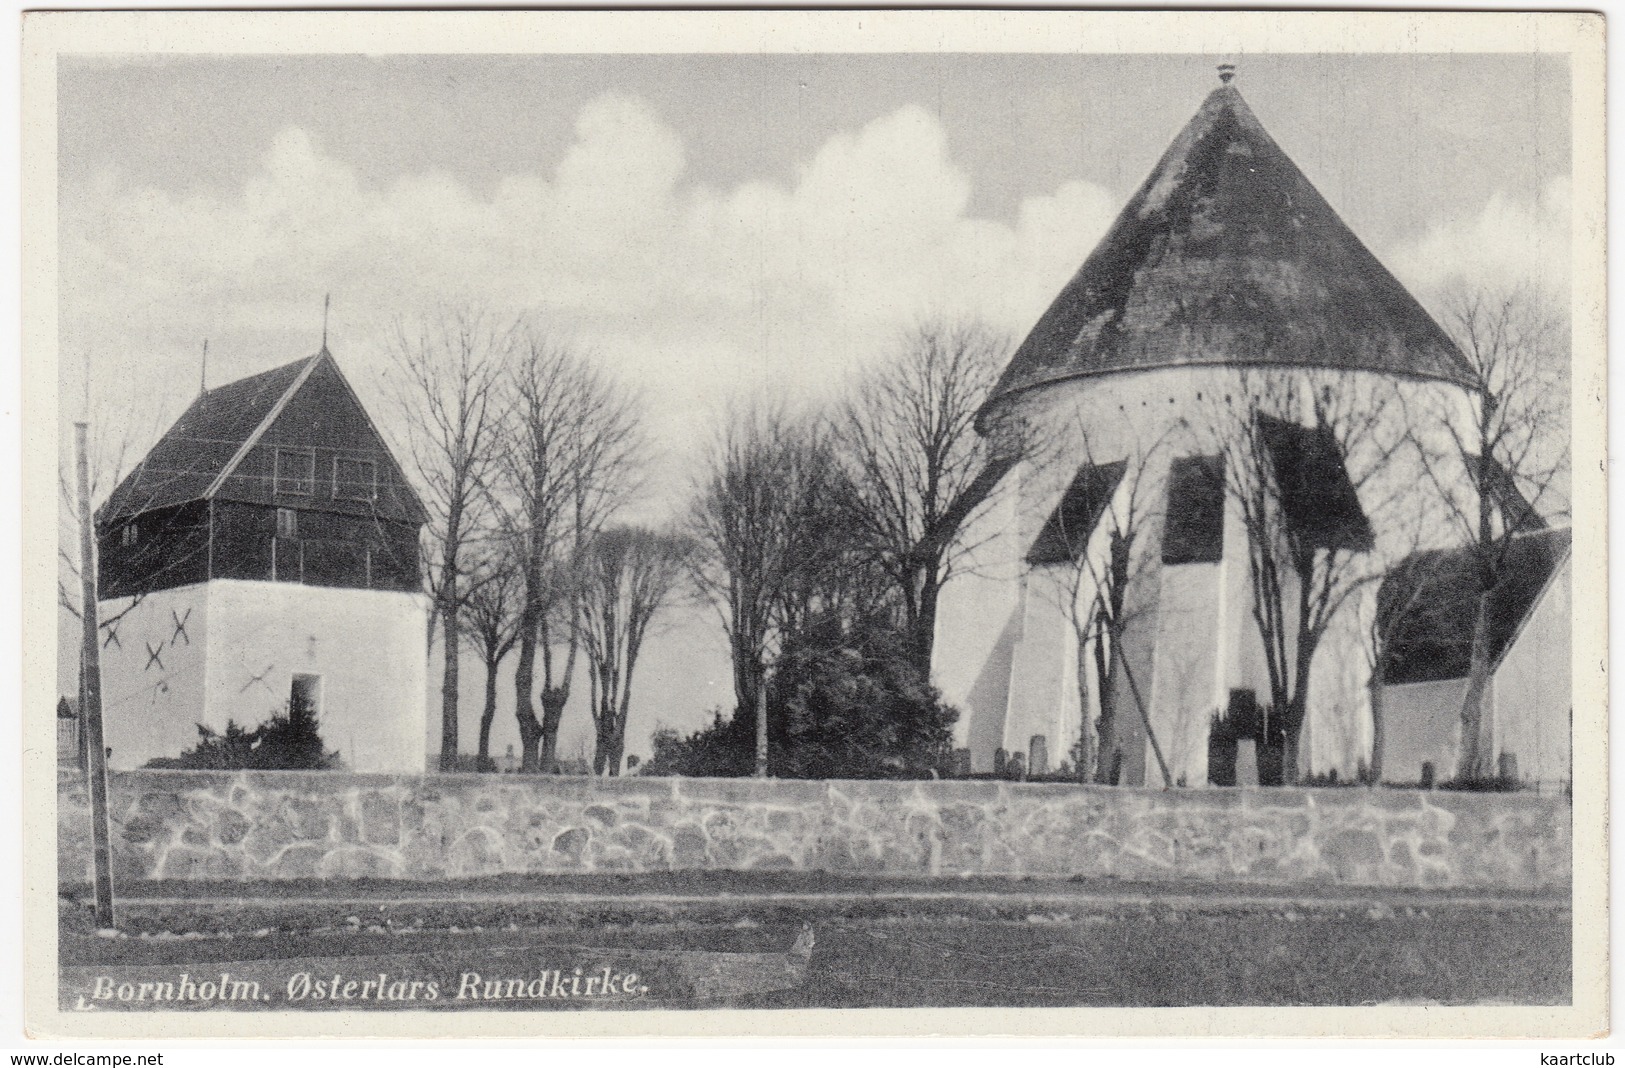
column 1001, row 757
column 1508, row 766
column 961, row 764
column 1016, row 767
column 1038, row 755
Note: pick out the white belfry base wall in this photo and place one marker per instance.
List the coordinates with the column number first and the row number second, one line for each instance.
column 243, row 644
column 153, row 656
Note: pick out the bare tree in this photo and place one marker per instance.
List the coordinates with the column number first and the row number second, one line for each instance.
column 1301, row 490
column 917, row 465
column 447, row 371
column 1095, row 553
column 626, row 576
column 761, row 523
column 121, row 427
column 570, row 454
column 493, row 623
column 1503, row 474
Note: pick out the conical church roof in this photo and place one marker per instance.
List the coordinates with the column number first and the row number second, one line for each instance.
column 1227, row 255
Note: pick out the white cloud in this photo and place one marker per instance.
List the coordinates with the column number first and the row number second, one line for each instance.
column 1508, row 243
column 692, row 291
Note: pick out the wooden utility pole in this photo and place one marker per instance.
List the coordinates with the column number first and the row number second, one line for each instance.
column 90, row 696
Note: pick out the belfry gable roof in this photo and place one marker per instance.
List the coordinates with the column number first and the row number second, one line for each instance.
column 198, row 457
column 205, row 442
column 1227, row 255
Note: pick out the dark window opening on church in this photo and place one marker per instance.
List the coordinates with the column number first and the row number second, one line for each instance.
column 1065, row 535
column 130, row 535
column 296, row 471
column 305, row 700
column 354, row 480
column 1194, row 530
column 1321, row 506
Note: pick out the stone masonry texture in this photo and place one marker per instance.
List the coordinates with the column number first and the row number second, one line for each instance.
column 326, row 825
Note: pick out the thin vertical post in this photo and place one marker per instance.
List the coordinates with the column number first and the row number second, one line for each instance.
column 761, row 727
column 90, row 696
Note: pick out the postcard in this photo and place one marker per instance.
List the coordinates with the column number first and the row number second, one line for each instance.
column 814, row 523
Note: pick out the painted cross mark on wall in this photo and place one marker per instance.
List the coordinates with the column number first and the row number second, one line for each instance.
column 180, row 627
column 260, row 678
column 153, row 656
column 112, row 638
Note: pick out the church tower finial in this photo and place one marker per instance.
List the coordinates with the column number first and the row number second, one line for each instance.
column 327, row 304
column 1226, row 72
column 203, row 377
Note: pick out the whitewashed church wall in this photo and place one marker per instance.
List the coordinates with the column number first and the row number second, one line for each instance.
column 1533, row 700
column 153, row 674
column 1421, row 723
column 982, row 709
column 978, row 626
column 1085, row 578
column 1112, row 417
column 1200, row 639
column 1187, row 679
column 1243, row 650
column 1338, row 731
column 366, row 647
column 1039, row 701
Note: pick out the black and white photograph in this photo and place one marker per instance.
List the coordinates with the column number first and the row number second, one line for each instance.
column 984, row 520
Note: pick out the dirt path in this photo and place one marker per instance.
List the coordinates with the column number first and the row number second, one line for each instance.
column 888, row 942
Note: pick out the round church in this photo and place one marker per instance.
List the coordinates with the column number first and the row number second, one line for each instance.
column 1214, row 443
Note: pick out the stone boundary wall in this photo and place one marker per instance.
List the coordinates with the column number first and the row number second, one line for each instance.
column 329, row 825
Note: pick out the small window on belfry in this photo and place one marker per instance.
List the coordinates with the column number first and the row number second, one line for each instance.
column 129, row 535
column 287, row 523
column 295, row 471
column 354, row 480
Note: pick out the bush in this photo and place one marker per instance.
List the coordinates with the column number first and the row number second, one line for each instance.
column 1491, row 784
column 839, row 712
column 288, row 741
column 1333, row 779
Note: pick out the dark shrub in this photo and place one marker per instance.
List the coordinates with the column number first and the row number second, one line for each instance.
column 288, row 741
column 837, row 711
column 1490, row 784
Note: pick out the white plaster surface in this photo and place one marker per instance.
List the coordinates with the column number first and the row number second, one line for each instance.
column 1533, row 696
column 1206, row 639
column 245, row 641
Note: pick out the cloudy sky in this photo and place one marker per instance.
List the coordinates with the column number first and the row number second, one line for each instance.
column 718, row 225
